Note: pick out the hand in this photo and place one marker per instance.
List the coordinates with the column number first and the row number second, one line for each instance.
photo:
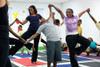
column 16, row 19
column 25, row 42
column 53, row 13
column 88, row 10
column 51, row 5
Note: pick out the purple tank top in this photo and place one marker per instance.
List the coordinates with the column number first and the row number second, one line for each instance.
column 71, row 24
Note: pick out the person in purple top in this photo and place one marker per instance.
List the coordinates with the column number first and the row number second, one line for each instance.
column 35, row 21
column 72, row 37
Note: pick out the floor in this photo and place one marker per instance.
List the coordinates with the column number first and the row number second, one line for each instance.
column 19, row 60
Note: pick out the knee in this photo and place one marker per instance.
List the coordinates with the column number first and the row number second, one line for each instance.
column 98, row 49
column 87, row 51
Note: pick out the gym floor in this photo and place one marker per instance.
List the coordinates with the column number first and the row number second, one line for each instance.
column 19, row 60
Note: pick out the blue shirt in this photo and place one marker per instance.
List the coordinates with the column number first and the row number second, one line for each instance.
column 34, row 22
column 93, row 44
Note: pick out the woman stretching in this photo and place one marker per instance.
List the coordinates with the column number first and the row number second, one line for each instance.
column 34, row 20
column 72, row 37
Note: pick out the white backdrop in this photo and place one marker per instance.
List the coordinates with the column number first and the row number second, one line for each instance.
column 88, row 26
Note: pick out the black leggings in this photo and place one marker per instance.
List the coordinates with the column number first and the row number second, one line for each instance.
column 27, row 35
column 4, row 47
column 18, row 44
column 72, row 40
column 43, row 41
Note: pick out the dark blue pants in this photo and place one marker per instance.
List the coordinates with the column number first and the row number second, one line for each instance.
column 72, row 40
column 27, row 35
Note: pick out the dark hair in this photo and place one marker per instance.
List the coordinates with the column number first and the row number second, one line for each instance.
column 57, row 20
column 80, row 20
column 35, row 10
column 71, row 11
column 91, row 38
column 20, row 26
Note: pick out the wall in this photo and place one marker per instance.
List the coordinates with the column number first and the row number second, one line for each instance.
column 88, row 26
column 20, row 6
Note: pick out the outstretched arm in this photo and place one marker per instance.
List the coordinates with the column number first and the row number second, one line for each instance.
column 11, row 31
column 81, row 13
column 50, row 16
column 24, row 22
column 51, row 13
column 62, row 23
column 92, row 17
column 12, row 23
column 33, row 37
column 61, row 13
column 42, row 21
column 97, row 44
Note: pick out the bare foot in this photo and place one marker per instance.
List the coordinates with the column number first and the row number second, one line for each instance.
column 76, row 56
column 34, row 62
column 86, row 55
column 98, row 54
column 21, row 54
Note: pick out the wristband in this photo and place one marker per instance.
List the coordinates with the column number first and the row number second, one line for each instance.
column 28, row 41
column 90, row 15
column 54, row 6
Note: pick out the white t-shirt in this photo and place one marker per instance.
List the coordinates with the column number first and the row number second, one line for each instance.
column 58, row 29
column 49, row 30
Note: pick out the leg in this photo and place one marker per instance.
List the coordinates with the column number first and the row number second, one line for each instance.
column 35, row 53
column 98, row 54
column 28, row 51
column 27, row 35
column 18, row 45
column 71, row 42
column 43, row 41
column 84, row 44
column 87, row 51
column 4, row 47
column 8, row 63
column 49, row 64
column 22, row 50
column 65, row 48
column 57, row 51
column 55, row 64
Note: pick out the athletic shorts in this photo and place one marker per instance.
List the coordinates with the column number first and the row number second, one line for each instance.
column 93, row 49
column 53, row 51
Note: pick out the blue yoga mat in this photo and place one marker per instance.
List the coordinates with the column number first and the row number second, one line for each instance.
column 12, row 57
column 23, row 56
column 78, row 59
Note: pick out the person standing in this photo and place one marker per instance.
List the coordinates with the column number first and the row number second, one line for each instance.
column 53, row 40
column 4, row 35
column 79, row 27
column 72, row 37
column 35, row 22
column 18, row 43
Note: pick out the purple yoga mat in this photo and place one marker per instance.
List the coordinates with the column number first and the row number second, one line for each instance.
column 90, row 56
